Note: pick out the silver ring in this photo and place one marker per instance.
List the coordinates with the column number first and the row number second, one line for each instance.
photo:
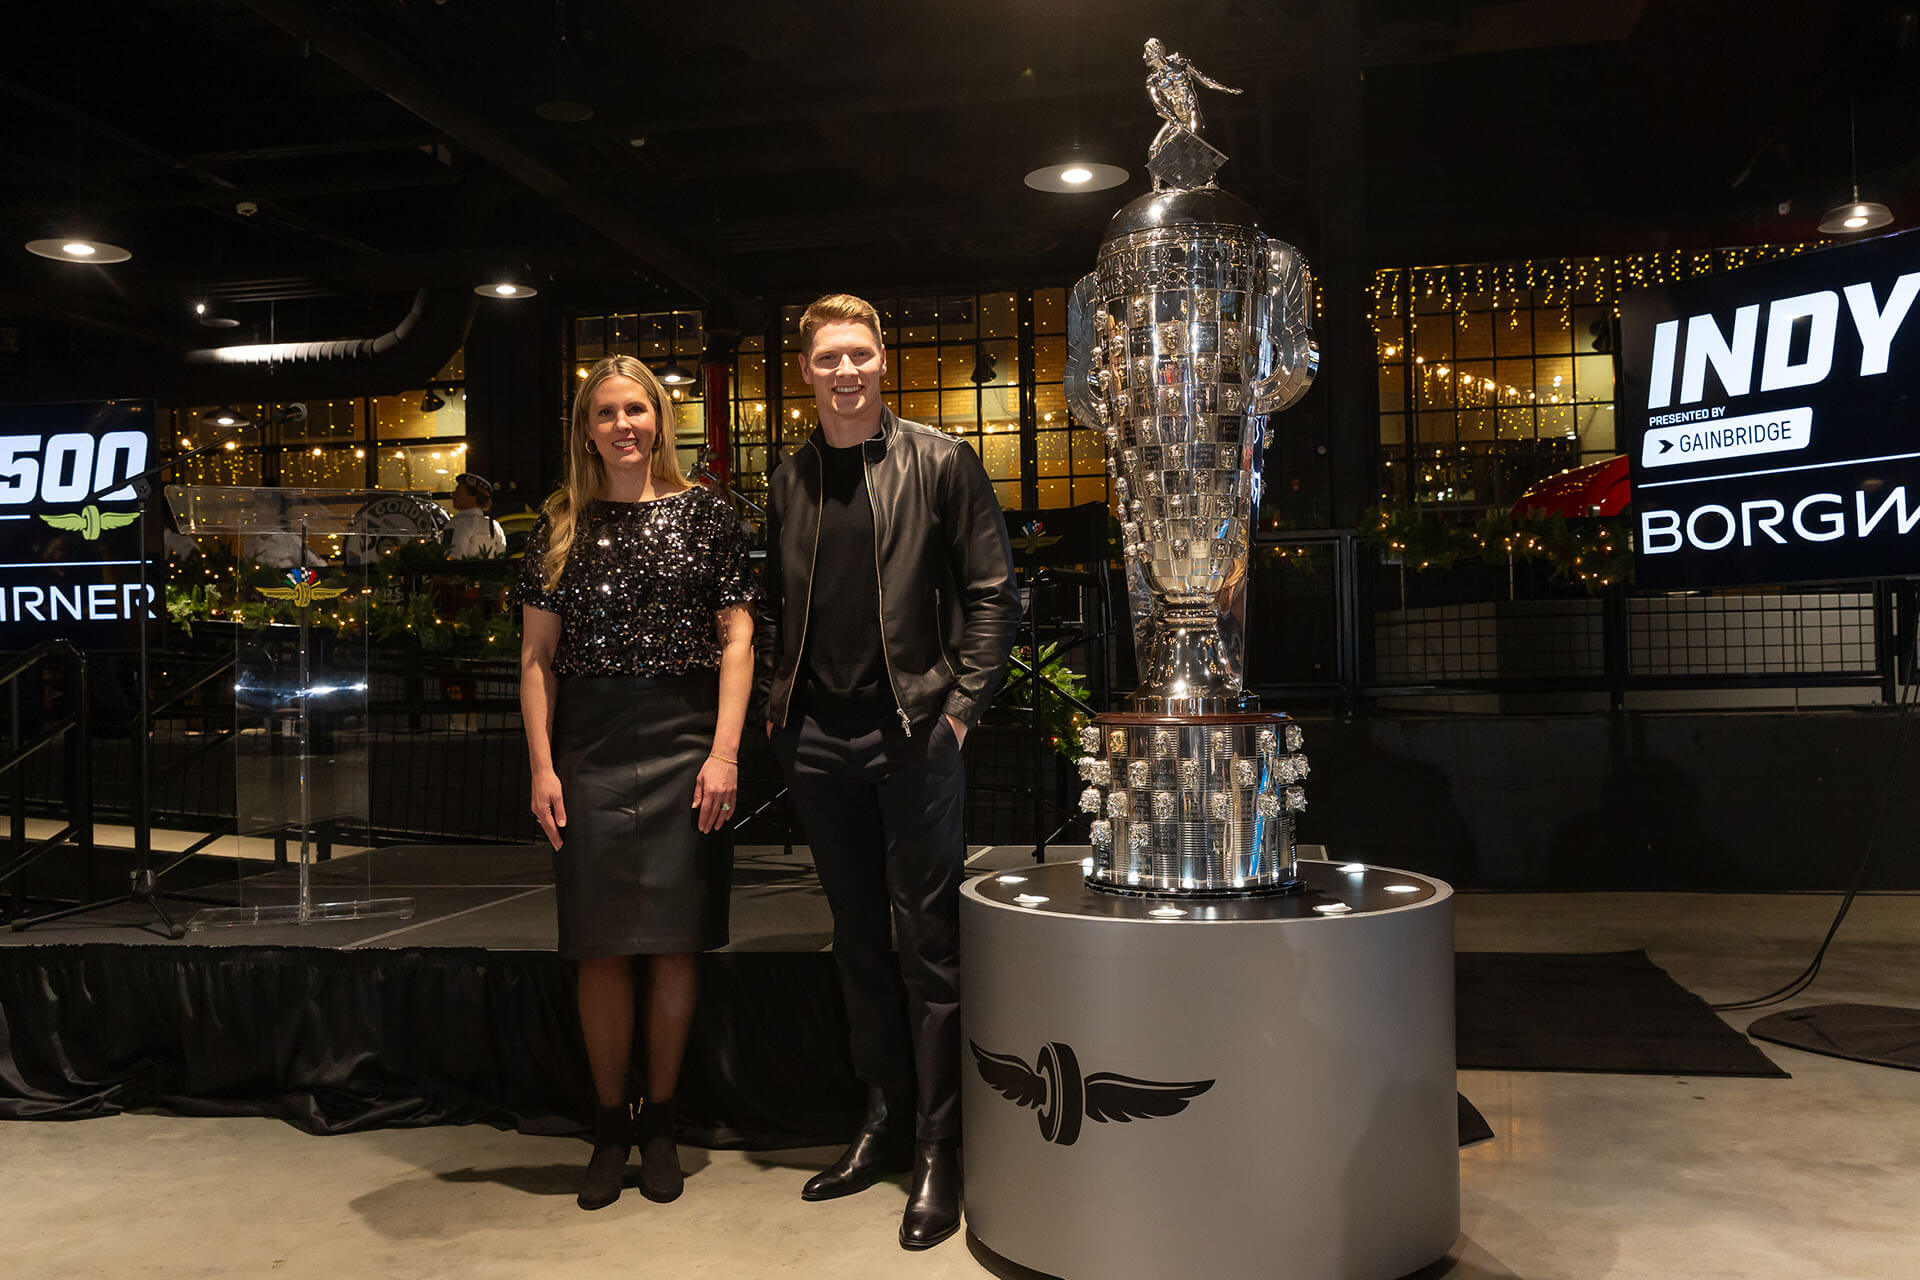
column 726, row 806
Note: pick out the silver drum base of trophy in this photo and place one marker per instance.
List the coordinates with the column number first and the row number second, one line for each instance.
column 1251, row 1090
column 1193, row 806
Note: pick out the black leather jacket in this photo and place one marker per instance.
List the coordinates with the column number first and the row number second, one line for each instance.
column 948, row 605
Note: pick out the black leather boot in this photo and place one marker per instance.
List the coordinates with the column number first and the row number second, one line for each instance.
column 612, row 1140
column 933, row 1196
column 660, row 1177
column 884, row 1145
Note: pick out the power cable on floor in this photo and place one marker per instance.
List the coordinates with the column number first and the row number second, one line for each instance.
column 1804, row 979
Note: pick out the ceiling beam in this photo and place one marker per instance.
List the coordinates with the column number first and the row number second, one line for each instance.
column 388, row 73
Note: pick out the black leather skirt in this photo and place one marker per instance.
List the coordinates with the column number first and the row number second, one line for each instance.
column 633, row 874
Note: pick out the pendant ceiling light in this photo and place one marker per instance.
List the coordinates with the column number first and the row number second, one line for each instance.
column 1076, row 171
column 674, row 374
column 78, row 248
column 505, row 289
column 1856, row 215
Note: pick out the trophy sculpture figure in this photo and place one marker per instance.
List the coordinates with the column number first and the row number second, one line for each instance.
column 1193, row 327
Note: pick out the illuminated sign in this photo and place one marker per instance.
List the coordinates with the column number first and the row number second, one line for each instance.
column 69, row 542
column 1772, row 419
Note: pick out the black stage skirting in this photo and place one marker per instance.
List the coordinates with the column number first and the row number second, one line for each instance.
column 463, row 1014
column 335, row 1041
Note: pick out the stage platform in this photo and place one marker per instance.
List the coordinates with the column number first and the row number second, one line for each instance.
column 495, row 897
column 460, row 1014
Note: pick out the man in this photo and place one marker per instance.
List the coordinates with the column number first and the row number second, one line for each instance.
column 888, row 607
column 474, row 534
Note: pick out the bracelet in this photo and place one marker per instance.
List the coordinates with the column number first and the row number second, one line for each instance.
column 715, row 755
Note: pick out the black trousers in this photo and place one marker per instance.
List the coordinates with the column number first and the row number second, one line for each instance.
column 884, row 815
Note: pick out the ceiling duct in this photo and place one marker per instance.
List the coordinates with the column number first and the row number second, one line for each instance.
column 407, row 357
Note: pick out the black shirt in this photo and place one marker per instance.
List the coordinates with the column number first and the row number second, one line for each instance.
column 843, row 671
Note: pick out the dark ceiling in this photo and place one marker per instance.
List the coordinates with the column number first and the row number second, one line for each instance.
column 745, row 150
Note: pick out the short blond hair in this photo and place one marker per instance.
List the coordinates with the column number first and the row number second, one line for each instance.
column 838, row 308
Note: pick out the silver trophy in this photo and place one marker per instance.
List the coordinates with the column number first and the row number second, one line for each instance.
column 1193, row 327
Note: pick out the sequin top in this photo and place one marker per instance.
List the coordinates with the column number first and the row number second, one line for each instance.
column 642, row 584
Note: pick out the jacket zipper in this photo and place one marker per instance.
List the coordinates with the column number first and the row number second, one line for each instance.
column 880, row 594
column 806, row 613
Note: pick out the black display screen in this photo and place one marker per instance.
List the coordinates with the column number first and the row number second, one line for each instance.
column 69, row 553
column 1772, row 419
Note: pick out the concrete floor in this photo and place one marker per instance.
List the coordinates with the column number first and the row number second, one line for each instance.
column 1589, row 1176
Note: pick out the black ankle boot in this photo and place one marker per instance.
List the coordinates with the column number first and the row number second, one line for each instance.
column 884, row 1145
column 612, row 1140
column 660, row 1177
column 933, row 1196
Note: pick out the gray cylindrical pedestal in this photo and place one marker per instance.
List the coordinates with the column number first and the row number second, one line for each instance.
column 1253, row 1088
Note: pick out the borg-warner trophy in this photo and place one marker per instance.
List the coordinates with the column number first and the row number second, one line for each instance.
column 1192, row 328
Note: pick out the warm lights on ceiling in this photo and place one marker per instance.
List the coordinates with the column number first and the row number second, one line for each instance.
column 1076, row 174
column 78, row 249
column 506, row 289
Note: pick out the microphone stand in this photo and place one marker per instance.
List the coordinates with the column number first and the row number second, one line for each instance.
column 701, row 471
column 143, row 886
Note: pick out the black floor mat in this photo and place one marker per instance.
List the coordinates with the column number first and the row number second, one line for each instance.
column 1608, row 1012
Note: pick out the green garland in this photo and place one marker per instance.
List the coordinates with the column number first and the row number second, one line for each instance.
column 1592, row 552
column 1058, row 717
column 412, row 592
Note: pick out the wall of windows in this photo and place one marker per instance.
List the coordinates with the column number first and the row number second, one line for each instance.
column 988, row 368
column 416, row 441
column 1493, row 376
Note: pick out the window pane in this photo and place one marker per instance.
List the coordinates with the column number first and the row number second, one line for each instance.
column 1393, row 428
column 1054, row 493
column 234, row 466
column 1001, row 455
column 957, row 364
column 455, row 369
column 1006, row 362
column 919, row 320
column 997, row 315
column 1393, row 388
column 1050, row 360
column 1089, row 490
column 422, row 468
column 919, row 368
column 1049, row 311
column 590, row 338
column 1473, row 336
column 306, row 421
column 1596, row 428
column 959, row 410
column 1000, row 407
column 1593, row 378
column 336, row 467
column 1552, row 331
column 1050, row 404
column 1088, row 456
column 957, row 318
column 921, row 406
column 1052, row 453
column 402, row 418
column 750, row 382
column 792, row 385
column 1513, row 334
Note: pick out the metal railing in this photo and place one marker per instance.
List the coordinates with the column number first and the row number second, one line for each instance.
column 69, row 725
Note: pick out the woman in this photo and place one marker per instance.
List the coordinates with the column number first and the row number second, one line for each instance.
column 636, row 658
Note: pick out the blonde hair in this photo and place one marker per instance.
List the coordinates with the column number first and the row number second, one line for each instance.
column 838, row 308
column 587, row 472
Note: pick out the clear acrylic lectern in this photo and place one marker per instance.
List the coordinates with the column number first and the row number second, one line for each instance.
column 301, row 648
